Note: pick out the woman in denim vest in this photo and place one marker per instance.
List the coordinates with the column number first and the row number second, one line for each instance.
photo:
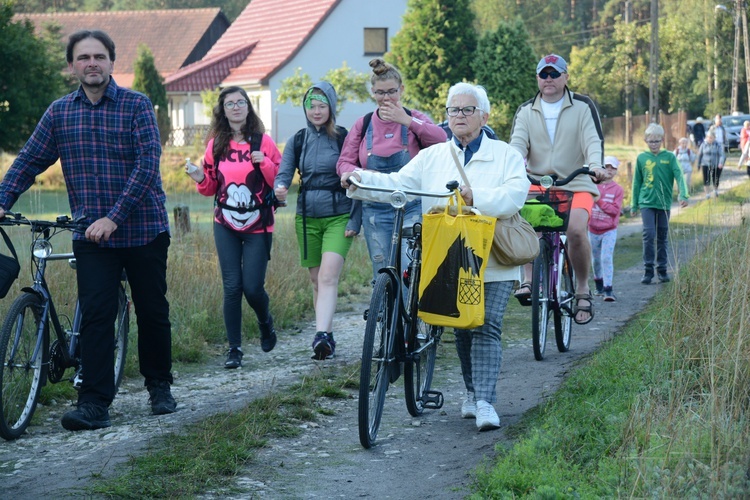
column 390, row 138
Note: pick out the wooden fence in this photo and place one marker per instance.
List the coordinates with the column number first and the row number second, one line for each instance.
column 675, row 127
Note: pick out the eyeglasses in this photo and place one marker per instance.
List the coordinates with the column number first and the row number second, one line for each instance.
column 466, row 111
column 231, row 105
column 552, row 74
column 383, row 93
column 657, row 141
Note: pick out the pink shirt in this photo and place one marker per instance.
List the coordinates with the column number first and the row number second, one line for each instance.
column 233, row 180
column 605, row 215
column 386, row 140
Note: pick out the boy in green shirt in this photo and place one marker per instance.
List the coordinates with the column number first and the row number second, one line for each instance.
column 656, row 170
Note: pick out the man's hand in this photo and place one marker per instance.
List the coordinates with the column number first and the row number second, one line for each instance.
column 2, row 213
column 100, row 230
column 345, row 180
column 600, row 174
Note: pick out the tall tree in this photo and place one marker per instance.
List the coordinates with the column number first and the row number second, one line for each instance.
column 505, row 65
column 148, row 80
column 434, row 50
column 24, row 94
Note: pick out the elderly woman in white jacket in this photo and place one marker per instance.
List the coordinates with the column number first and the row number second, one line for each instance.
column 498, row 187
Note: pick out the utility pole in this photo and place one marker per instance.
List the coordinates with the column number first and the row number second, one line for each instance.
column 736, row 54
column 653, row 91
column 743, row 17
column 628, row 83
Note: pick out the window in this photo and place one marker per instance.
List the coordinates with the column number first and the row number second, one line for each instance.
column 376, row 41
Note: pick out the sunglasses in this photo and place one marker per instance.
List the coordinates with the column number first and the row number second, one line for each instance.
column 552, row 74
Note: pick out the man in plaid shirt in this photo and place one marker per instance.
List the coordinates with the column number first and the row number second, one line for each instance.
column 107, row 141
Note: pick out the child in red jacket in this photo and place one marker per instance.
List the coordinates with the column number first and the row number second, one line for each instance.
column 603, row 230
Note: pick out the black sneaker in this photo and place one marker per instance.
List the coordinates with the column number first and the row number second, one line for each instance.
column 234, row 358
column 160, row 397
column 599, row 286
column 609, row 296
column 267, row 335
column 87, row 417
column 323, row 346
column 647, row 278
column 664, row 277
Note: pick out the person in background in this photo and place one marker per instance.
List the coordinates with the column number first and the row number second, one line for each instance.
column 686, row 157
column 107, row 141
column 324, row 225
column 559, row 131
column 498, row 188
column 720, row 133
column 711, row 161
column 656, row 171
column 744, row 145
column 239, row 168
column 698, row 132
column 605, row 216
column 391, row 137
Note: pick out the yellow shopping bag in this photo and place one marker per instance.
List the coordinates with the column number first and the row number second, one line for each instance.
column 455, row 249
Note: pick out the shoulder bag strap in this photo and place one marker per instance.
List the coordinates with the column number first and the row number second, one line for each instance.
column 9, row 243
column 458, row 165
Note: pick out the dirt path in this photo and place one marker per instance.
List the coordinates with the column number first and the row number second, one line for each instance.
column 326, row 460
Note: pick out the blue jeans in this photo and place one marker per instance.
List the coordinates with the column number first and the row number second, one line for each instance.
column 98, row 272
column 243, row 259
column 377, row 222
column 655, row 227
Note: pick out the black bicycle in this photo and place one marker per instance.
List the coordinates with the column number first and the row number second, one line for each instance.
column 29, row 360
column 394, row 335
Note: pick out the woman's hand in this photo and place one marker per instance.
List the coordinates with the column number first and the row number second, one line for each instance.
column 257, row 156
column 345, row 180
column 194, row 171
column 281, row 192
column 467, row 195
column 393, row 112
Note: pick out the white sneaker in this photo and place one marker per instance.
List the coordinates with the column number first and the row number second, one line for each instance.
column 469, row 407
column 487, row 419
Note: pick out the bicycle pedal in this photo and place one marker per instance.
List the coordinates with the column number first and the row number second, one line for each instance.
column 432, row 400
column 365, row 314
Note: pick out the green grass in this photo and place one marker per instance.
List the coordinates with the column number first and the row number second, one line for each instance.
column 208, row 455
column 662, row 411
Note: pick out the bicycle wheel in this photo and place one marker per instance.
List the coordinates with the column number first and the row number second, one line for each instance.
column 540, row 297
column 421, row 345
column 24, row 366
column 122, row 328
column 566, row 287
column 376, row 360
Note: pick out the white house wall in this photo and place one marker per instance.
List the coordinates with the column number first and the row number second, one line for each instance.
column 340, row 38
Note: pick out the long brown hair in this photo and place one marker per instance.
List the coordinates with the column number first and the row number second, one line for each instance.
column 220, row 130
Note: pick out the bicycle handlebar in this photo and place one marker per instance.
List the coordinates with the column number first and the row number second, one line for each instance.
column 557, row 182
column 451, row 186
column 77, row 225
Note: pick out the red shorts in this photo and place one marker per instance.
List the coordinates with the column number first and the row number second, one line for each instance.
column 584, row 200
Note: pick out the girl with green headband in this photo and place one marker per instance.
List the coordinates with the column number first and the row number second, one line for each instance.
column 324, row 223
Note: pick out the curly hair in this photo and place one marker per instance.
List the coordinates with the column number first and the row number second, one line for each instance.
column 382, row 70
column 221, row 132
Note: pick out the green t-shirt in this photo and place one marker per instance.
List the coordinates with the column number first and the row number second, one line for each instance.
column 653, row 182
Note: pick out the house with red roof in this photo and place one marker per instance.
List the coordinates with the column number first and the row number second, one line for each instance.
column 176, row 37
column 270, row 40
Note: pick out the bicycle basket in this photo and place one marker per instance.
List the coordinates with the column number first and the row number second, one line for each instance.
column 548, row 210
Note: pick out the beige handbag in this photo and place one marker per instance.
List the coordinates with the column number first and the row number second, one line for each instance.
column 515, row 241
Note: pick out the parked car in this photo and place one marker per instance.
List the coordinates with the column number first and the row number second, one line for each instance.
column 733, row 125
